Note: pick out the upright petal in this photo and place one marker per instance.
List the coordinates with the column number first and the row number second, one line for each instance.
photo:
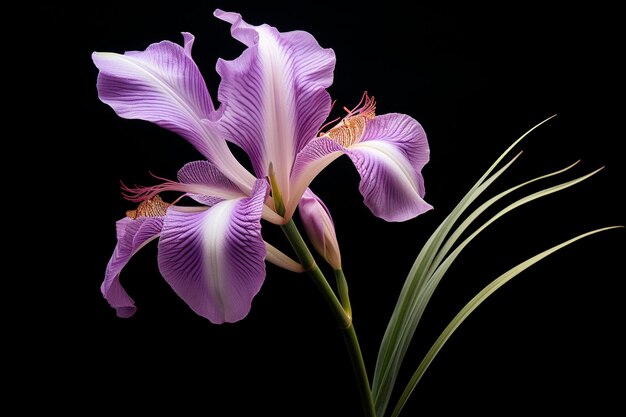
column 214, row 260
column 163, row 85
column 274, row 94
column 389, row 157
column 132, row 235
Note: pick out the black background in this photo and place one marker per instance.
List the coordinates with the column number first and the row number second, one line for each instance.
column 476, row 78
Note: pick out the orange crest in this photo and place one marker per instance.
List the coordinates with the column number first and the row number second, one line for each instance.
column 351, row 128
column 152, row 207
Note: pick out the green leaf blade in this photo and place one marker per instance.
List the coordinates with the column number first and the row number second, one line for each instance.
column 406, row 314
column 472, row 305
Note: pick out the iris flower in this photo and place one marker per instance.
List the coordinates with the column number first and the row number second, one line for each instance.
column 273, row 104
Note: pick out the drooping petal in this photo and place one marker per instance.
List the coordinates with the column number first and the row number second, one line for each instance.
column 389, row 157
column 132, row 235
column 214, row 260
column 320, row 228
column 163, row 85
column 274, row 94
column 404, row 132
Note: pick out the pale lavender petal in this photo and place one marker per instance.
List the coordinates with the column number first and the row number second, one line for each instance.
column 390, row 157
column 132, row 235
column 214, row 260
column 315, row 156
column 163, row 85
column 405, row 133
column 274, row 94
column 206, row 173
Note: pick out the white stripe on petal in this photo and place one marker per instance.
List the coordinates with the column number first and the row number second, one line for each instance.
column 214, row 260
column 274, row 95
column 163, row 85
column 390, row 156
column 214, row 234
column 279, row 114
column 389, row 183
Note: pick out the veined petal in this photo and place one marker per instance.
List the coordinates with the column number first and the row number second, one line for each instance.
column 207, row 185
column 315, row 156
column 132, row 235
column 214, row 260
column 204, row 173
column 200, row 180
column 404, row 132
column 274, row 94
column 163, row 85
column 389, row 157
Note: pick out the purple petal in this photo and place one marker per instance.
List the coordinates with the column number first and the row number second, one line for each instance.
column 163, row 85
column 206, row 173
column 389, row 157
column 315, row 156
column 214, row 260
column 274, row 94
column 132, row 235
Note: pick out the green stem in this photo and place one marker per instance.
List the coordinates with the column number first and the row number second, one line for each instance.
column 342, row 288
column 356, row 357
column 309, row 265
column 344, row 319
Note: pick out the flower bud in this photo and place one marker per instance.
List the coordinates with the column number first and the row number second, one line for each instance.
column 319, row 228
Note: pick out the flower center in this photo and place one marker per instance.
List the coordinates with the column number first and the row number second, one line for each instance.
column 351, row 128
column 152, row 207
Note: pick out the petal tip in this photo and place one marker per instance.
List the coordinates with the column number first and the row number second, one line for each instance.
column 125, row 312
column 188, row 39
column 230, row 17
column 98, row 57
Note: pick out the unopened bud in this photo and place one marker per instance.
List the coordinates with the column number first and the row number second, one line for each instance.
column 319, row 228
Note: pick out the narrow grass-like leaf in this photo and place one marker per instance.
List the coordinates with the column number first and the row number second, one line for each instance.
column 415, row 307
column 470, row 307
column 470, row 219
column 394, row 344
column 509, row 149
column 392, row 348
column 432, row 281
